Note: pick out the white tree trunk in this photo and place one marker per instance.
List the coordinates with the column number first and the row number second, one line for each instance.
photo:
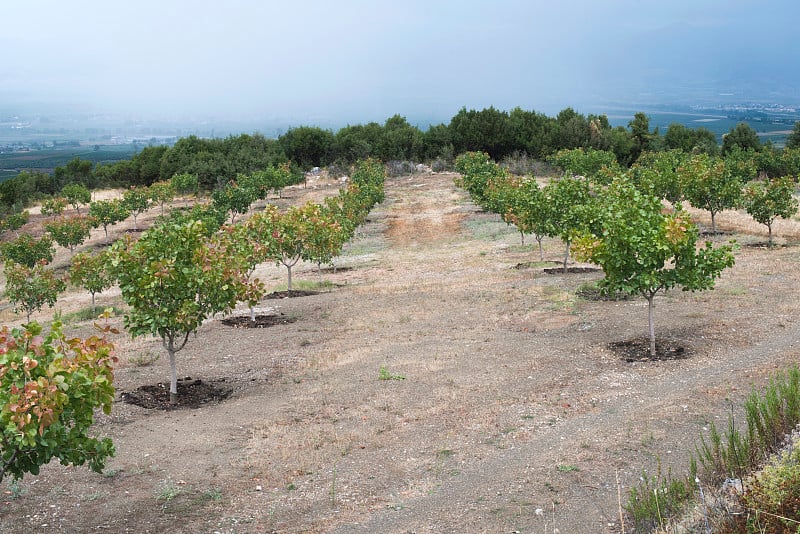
column 650, row 307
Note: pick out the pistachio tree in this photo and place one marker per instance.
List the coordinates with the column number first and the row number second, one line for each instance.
column 28, row 250
column 136, row 200
column 708, row 184
column 50, row 387
column 766, row 201
column 571, row 209
column 644, row 251
column 69, row 232
column 531, row 214
column 91, row 272
column 29, row 289
column 161, row 193
column 53, row 207
column 173, row 278
column 76, row 195
column 15, row 221
column 108, row 212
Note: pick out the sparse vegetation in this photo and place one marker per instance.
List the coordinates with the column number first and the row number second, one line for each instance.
column 385, row 374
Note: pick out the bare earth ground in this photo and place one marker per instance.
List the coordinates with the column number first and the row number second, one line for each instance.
column 513, row 414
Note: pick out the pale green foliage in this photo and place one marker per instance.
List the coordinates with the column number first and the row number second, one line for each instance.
column 643, row 251
column 768, row 200
column 76, row 195
column 108, row 212
column 234, row 199
column 27, row 250
column 91, row 272
column 54, row 206
column 69, row 232
column 15, row 221
column 570, row 208
column 656, row 173
column 173, row 278
column 477, row 170
column 49, row 389
column 709, row 185
column 30, row 288
column 597, row 165
column 184, row 183
column 160, row 193
column 136, row 200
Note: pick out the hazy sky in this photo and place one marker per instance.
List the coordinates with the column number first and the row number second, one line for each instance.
column 321, row 60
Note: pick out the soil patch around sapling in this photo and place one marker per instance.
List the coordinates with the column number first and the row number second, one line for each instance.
column 571, row 270
column 534, row 264
column 290, row 294
column 192, row 393
column 764, row 245
column 638, row 350
column 594, row 293
column 335, row 270
column 707, row 232
column 261, row 321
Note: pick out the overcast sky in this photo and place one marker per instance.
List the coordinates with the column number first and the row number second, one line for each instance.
column 320, row 60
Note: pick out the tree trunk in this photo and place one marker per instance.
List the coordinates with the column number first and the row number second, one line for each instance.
column 289, row 279
column 94, row 310
column 541, row 250
column 252, row 314
column 769, row 227
column 522, row 238
column 713, row 224
column 650, row 307
column 566, row 257
column 169, row 344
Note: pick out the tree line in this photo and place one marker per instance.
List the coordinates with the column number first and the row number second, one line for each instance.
column 499, row 133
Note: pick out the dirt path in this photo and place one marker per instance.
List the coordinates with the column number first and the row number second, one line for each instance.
column 507, row 411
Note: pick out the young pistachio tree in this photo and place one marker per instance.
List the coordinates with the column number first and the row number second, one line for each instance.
column 50, row 387
column 768, row 200
column 136, row 201
column 709, row 185
column 644, row 251
column 173, row 278
column 91, row 272
column 184, row 183
column 108, row 212
column 234, row 199
column 571, row 209
column 28, row 250
column 160, row 193
column 656, row 173
column 596, row 165
column 15, row 221
column 30, row 288
column 246, row 242
column 53, row 207
column 290, row 231
column 76, row 195
column 531, row 213
column 69, row 232
column 326, row 237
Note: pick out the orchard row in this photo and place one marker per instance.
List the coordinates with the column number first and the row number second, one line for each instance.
column 619, row 218
column 189, row 266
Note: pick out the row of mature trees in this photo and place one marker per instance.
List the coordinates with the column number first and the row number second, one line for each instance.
column 186, row 268
column 710, row 183
column 502, row 134
column 616, row 218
